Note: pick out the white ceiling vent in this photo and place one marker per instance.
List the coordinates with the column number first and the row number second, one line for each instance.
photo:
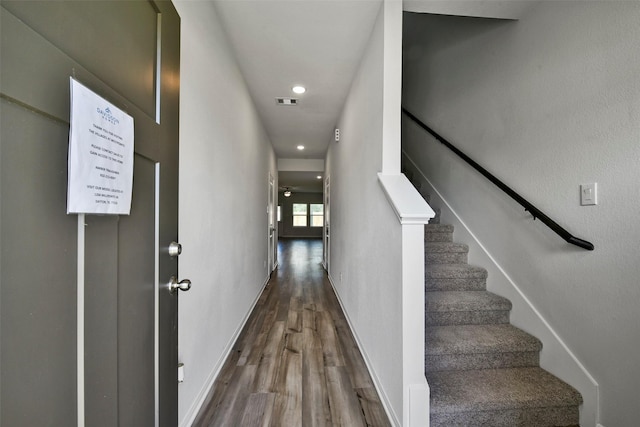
column 287, row 101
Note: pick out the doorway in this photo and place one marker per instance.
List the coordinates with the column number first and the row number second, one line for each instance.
column 327, row 228
column 271, row 214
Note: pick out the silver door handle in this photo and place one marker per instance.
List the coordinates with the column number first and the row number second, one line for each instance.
column 183, row 285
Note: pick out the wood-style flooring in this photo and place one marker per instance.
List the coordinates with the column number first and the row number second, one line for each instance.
column 296, row 362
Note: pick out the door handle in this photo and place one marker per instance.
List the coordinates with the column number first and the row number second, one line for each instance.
column 183, row 285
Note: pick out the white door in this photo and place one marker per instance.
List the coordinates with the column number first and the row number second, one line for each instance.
column 272, row 226
column 327, row 229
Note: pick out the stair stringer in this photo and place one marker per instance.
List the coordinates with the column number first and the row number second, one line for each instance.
column 555, row 357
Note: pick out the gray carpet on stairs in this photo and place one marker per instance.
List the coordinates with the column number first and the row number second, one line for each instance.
column 482, row 371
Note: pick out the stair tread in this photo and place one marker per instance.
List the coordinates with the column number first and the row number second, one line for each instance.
column 454, row 271
column 439, row 301
column 498, row 389
column 475, row 339
column 439, row 247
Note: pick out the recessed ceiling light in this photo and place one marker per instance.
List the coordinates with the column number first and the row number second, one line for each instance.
column 319, row 176
column 300, row 147
column 299, row 89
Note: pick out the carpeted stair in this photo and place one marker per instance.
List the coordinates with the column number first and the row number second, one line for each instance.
column 482, row 371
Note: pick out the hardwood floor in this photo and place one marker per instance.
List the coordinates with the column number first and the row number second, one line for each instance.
column 296, row 362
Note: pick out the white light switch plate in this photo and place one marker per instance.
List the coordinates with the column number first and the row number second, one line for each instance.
column 589, row 194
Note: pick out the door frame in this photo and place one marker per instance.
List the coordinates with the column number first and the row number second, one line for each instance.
column 326, row 240
column 272, row 231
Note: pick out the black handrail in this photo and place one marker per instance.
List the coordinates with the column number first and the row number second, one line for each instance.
column 528, row 207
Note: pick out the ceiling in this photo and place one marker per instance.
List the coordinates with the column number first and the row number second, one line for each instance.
column 315, row 43
column 301, row 182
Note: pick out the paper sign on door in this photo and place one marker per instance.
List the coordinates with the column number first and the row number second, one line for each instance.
column 100, row 155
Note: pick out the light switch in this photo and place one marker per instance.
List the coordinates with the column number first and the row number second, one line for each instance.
column 180, row 372
column 589, row 194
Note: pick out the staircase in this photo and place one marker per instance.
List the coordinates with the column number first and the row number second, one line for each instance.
column 482, row 371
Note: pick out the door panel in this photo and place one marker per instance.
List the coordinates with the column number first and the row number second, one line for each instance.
column 38, row 272
column 99, row 36
column 48, row 43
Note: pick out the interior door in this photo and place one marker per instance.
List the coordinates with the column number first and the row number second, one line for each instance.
column 116, row 365
column 326, row 223
column 272, row 226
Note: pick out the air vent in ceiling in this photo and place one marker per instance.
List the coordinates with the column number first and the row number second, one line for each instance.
column 287, row 101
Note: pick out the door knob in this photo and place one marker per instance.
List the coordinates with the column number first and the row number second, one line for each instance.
column 183, row 285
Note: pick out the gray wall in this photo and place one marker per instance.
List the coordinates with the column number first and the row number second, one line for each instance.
column 285, row 227
column 546, row 103
column 225, row 161
column 366, row 241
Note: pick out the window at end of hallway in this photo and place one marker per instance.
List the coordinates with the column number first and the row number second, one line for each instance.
column 299, row 214
column 279, row 213
column 317, row 215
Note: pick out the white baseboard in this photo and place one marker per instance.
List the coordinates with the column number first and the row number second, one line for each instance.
column 556, row 357
column 193, row 411
column 386, row 404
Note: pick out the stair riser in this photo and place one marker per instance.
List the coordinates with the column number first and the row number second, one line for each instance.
column 438, row 237
column 484, row 317
column 445, row 258
column 539, row 417
column 438, row 228
column 448, row 362
column 455, row 284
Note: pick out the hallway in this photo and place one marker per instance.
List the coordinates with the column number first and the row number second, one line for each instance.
column 296, row 362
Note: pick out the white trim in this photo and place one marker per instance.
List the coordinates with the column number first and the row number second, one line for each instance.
column 193, row 411
column 386, row 404
column 407, row 203
column 419, row 404
column 556, row 357
column 80, row 323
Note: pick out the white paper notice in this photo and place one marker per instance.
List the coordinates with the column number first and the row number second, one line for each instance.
column 100, row 155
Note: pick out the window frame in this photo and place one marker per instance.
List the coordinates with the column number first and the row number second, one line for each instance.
column 300, row 215
column 313, row 215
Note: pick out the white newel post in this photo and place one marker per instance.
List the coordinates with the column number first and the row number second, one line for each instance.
column 413, row 212
column 416, row 390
